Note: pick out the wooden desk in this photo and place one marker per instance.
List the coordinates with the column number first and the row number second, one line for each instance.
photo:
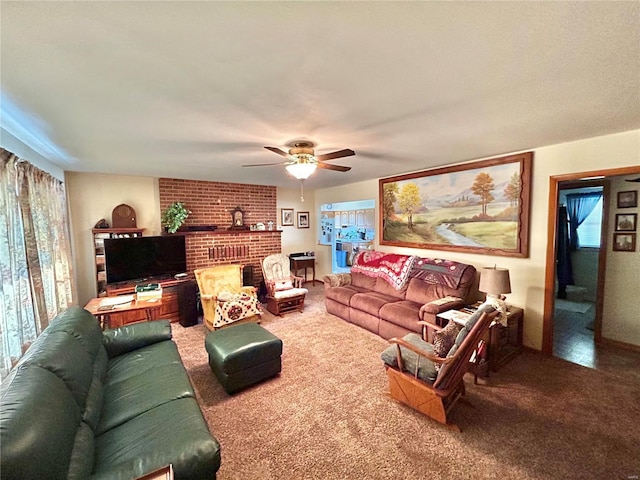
column 116, row 316
column 297, row 263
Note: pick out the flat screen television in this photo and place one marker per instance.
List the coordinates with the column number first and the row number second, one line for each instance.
column 142, row 258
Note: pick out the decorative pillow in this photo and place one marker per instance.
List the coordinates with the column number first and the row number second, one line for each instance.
column 283, row 286
column 444, row 339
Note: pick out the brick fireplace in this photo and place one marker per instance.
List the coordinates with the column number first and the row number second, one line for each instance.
column 211, row 203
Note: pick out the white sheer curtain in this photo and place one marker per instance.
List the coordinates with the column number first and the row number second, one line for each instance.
column 35, row 255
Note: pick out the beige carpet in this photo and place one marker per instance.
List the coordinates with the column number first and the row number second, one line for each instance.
column 328, row 415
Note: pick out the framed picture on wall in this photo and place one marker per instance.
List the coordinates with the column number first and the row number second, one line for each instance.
column 479, row 207
column 303, row 219
column 628, row 199
column 286, row 216
column 626, row 222
column 624, row 242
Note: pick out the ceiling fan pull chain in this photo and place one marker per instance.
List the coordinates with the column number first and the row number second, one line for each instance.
column 301, row 191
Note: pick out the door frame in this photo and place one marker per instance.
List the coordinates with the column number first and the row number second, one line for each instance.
column 550, row 264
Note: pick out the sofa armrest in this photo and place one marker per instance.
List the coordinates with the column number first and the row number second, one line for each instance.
column 441, row 305
column 430, row 310
column 131, row 337
column 337, row 279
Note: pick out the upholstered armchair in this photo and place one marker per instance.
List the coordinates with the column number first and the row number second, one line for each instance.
column 284, row 290
column 224, row 299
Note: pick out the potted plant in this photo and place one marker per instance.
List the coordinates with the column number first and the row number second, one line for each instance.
column 174, row 216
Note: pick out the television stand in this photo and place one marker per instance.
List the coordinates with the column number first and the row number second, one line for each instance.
column 179, row 300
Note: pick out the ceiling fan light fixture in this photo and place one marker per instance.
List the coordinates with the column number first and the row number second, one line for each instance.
column 301, row 171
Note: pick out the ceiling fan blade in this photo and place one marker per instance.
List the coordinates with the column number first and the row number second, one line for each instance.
column 276, row 150
column 267, row 164
column 339, row 154
column 337, row 168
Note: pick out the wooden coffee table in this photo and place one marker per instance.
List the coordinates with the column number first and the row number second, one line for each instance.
column 109, row 310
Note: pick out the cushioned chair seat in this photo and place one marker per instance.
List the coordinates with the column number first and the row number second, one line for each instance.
column 292, row 292
column 242, row 355
column 427, row 370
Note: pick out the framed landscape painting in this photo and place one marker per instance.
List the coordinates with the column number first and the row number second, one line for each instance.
column 479, row 207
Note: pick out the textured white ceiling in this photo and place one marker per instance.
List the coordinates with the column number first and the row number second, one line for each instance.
column 196, row 89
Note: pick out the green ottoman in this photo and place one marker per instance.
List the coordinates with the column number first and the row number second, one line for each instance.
column 242, row 355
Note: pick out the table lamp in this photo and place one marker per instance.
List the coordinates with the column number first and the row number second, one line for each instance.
column 495, row 283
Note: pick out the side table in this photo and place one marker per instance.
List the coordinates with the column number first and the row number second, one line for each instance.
column 503, row 343
column 304, row 262
column 506, row 342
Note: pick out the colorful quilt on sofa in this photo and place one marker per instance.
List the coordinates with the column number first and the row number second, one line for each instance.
column 391, row 267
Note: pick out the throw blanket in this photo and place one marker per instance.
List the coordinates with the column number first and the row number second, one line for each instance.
column 436, row 270
column 391, row 267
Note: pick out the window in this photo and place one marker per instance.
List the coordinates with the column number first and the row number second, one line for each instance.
column 589, row 230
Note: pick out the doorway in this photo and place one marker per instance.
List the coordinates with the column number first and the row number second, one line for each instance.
column 550, row 287
column 581, row 205
column 349, row 227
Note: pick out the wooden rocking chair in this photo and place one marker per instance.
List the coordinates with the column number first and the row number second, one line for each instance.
column 413, row 378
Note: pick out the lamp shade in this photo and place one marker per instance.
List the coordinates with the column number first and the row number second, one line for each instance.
column 494, row 281
column 301, row 170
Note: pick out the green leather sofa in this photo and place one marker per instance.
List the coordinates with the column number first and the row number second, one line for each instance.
column 87, row 404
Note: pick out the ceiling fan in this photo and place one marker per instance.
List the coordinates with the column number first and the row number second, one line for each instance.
column 302, row 161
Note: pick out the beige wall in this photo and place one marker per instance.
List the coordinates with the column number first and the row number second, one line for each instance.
column 527, row 274
column 621, row 321
column 296, row 239
column 92, row 197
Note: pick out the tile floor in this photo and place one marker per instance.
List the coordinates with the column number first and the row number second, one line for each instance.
column 573, row 342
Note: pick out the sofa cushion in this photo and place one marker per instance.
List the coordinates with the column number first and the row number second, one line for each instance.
column 38, row 423
column 74, row 368
column 385, row 288
column 422, row 292
column 133, row 396
column 403, row 313
column 364, row 281
column 138, row 335
column 80, row 324
column 343, row 294
column 174, row 432
column 141, row 361
column 370, row 302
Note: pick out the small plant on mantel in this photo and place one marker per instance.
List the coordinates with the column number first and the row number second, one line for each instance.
column 174, row 216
